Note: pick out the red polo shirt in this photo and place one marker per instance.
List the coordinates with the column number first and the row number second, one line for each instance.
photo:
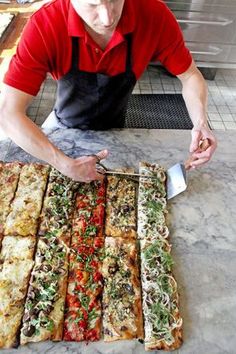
column 46, row 47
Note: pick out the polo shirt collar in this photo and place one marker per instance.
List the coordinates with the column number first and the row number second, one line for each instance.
column 125, row 25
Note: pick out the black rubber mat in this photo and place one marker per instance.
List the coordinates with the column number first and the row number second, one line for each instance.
column 159, row 111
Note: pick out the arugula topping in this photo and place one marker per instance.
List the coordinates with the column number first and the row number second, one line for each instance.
column 91, row 230
column 58, row 188
column 84, row 300
column 155, row 206
column 92, row 315
column 154, row 254
column 44, row 322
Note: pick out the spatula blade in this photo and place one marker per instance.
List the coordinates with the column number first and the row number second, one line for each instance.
column 176, row 180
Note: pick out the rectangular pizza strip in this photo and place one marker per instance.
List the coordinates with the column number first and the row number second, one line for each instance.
column 83, row 300
column 122, row 310
column 14, row 277
column 16, row 262
column 121, row 206
column 58, row 206
column 44, row 308
column 152, row 202
column 9, row 175
column 83, row 306
column 162, row 321
column 26, row 206
column 89, row 212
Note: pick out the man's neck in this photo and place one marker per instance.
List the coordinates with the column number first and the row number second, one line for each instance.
column 101, row 39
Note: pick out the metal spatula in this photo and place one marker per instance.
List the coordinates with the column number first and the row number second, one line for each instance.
column 176, row 175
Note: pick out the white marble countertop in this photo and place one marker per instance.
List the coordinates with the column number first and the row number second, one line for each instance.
column 202, row 226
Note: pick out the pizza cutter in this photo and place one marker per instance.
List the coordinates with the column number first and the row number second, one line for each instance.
column 176, row 175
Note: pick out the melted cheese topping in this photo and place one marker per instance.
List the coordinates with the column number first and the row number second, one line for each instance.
column 17, row 247
column 17, row 272
column 9, row 174
column 10, row 323
column 26, row 206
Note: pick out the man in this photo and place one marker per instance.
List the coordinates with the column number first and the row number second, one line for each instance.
column 96, row 49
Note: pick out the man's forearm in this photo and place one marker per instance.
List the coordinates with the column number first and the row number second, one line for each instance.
column 31, row 139
column 195, row 96
column 28, row 136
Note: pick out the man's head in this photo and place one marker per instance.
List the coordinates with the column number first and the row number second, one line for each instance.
column 102, row 16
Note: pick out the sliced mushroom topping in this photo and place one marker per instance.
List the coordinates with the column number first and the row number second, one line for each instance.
column 26, row 317
column 60, row 271
column 29, row 330
column 112, row 269
column 108, row 332
column 48, row 309
column 128, row 288
column 44, row 322
column 45, row 267
column 123, row 328
column 32, row 292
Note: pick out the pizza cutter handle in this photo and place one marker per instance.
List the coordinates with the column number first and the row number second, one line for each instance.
column 203, row 146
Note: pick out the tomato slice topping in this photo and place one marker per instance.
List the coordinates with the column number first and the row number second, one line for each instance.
column 92, row 335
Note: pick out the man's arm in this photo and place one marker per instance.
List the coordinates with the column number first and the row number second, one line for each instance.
column 194, row 92
column 17, row 126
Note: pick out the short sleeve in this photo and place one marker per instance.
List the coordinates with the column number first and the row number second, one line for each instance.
column 172, row 51
column 30, row 64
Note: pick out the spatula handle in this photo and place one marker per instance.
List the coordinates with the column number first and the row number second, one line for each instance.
column 203, row 146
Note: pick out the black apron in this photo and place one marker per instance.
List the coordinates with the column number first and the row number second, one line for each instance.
column 94, row 100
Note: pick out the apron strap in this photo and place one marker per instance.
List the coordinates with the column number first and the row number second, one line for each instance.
column 75, row 53
column 128, row 54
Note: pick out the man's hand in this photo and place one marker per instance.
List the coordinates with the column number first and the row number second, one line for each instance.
column 83, row 169
column 199, row 156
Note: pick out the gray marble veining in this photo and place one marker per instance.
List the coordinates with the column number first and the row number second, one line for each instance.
column 4, row 146
column 202, row 232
